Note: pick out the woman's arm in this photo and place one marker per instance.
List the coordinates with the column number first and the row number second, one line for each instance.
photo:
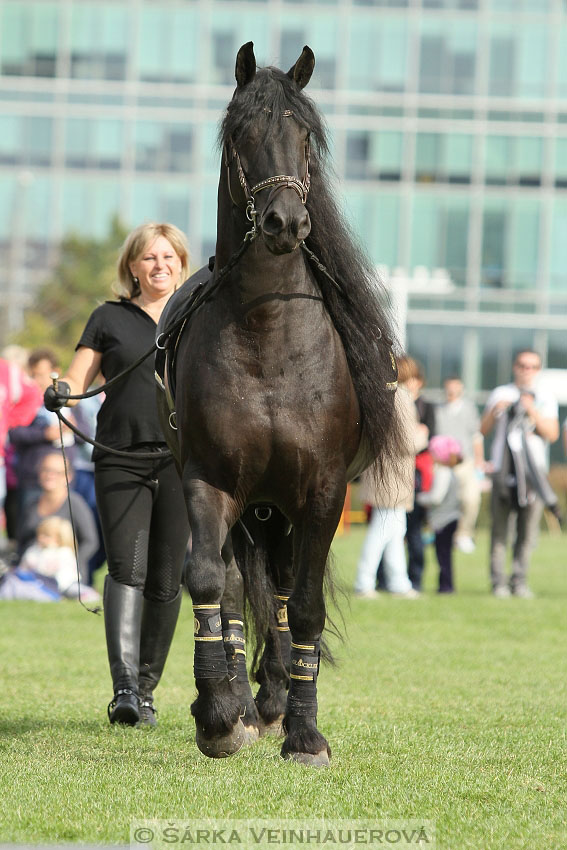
column 84, row 368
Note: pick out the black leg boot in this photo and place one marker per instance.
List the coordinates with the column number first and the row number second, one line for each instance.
column 158, row 625
column 122, row 620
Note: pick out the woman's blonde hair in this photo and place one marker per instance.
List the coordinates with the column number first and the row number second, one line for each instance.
column 58, row 527
column 134, row 246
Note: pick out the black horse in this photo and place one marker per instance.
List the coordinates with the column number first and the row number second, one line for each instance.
column 284, row 379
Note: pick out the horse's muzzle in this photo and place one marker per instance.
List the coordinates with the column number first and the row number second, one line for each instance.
column 284, row 231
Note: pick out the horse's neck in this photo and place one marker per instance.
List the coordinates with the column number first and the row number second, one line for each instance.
column 258, row 272
column 261, row 273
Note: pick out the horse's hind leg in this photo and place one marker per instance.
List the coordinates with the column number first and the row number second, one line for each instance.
column 313, row 534
column 217, row 709
column 232, row 607
column 273, row 669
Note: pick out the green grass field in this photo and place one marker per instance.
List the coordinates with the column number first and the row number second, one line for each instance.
column 447, row 709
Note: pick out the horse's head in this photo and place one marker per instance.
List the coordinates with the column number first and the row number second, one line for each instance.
column 266, row 148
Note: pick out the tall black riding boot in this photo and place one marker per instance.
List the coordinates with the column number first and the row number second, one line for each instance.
column 122, row 620
column 158, row 625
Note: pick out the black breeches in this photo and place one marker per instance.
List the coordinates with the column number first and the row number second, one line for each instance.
column 144, row 523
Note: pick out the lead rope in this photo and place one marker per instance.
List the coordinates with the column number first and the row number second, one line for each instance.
column 97, row 609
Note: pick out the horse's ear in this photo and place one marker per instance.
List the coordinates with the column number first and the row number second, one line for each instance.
column 245, row 64
column 303, row 68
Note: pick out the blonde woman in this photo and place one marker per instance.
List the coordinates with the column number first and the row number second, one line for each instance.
column 140, row 501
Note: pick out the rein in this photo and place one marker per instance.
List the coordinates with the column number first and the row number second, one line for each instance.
column 97, row 609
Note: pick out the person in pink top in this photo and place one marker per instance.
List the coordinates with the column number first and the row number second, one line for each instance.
column 20, row 400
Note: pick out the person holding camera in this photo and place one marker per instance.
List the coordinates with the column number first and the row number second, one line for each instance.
column 525, row 420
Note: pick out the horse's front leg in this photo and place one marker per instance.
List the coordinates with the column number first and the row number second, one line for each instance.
column 217, row 709
column 313, row 534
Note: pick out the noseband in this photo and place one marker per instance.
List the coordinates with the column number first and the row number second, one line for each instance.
column 276, row 183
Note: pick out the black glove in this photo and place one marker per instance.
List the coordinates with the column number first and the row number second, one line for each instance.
column 55, row 399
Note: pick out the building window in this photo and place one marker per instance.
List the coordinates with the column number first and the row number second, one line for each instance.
column 160, row 201
column 374, row 155
column 164, row 147
column 558, row 258
column 169, row 45
column 89, row 204
column 224, row 50
column 518, row 61
column 94, row 143
column 443, row 158
column 29, row 39
column 439, row 234
column 439, row 349
column 560, row 163
column 513, row 160
column 378, row 54
column 376, row 217
column 388, row 4
column 26, row 140
column 447, row 57
column 228, row 32
column 99, row 39
column 510, row 243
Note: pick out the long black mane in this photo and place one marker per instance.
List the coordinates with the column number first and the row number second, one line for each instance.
column 360, row 315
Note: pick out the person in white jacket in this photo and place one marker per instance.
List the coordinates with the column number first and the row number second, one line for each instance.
column 390, row 492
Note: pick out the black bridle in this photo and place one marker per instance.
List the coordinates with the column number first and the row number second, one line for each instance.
column 275, row 183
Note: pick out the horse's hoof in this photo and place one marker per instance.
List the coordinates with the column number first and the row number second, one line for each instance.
column 251, row 735
column 320, row 759
column 222, row 746
column 274, row 728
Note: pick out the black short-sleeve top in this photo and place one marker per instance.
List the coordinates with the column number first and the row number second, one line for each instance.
column 122, row 332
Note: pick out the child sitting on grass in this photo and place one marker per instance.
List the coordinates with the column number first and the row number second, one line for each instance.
column 48, row 568
column 442, row 503
column 52, row 555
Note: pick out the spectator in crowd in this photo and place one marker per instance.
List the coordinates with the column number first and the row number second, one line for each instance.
column 35, row 440
column 442, row 504
column 525, row 421
column 53, row 500
column 390, row 492
column 19, row 355
column 458, row 417
column 412, row 377
column 19, row 401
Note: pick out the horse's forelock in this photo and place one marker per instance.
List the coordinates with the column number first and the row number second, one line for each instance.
column 264, row 101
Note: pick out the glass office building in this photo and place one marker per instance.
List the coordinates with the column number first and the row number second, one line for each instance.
column 449, row 129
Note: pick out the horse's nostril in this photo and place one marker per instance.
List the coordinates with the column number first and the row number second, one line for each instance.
column 273, row 223
column 302, row 226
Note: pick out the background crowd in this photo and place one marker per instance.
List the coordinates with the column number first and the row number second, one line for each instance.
column 35, row 476
column 436, row 490
column 433, row 494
